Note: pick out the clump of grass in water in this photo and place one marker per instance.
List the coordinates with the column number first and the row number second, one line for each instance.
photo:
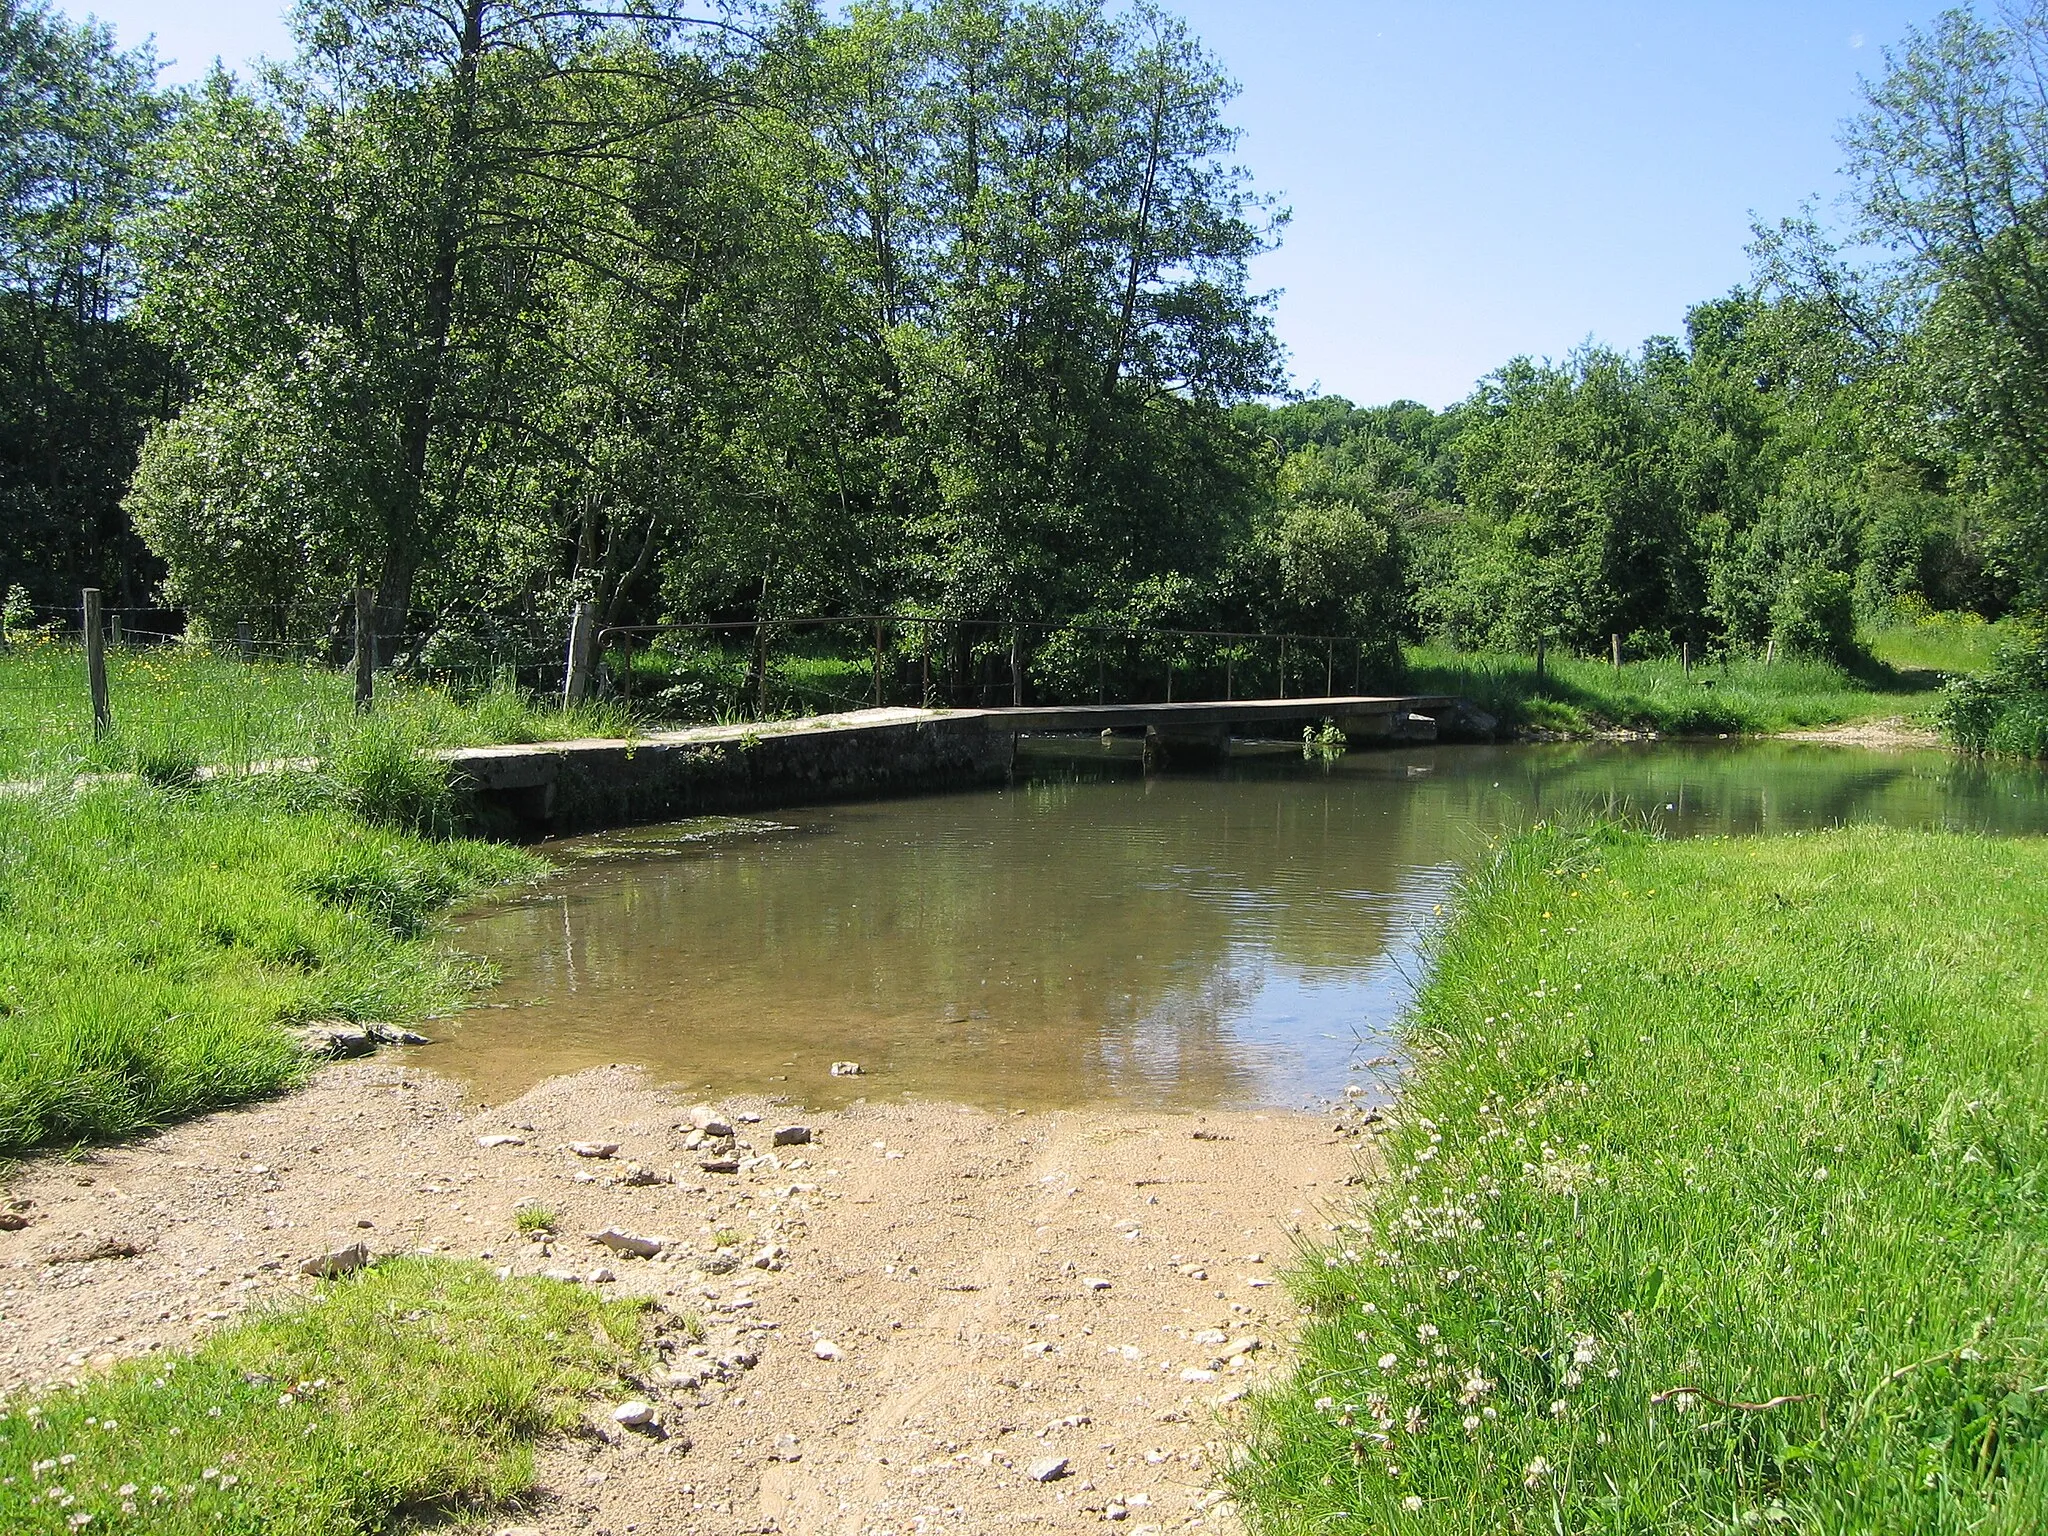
column 1718, row 1201
column 419, row 1384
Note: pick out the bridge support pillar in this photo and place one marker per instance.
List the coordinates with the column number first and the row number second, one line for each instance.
column 1181, row 746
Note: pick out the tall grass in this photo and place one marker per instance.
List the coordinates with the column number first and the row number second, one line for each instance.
column 154, row 942
column 1735, row 696
column 1953, row 644
column 176, row 709
column 415, row 1388
column 1720, row 1203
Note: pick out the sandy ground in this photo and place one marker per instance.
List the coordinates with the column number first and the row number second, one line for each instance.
column 1895, row 733
column 906, row 1319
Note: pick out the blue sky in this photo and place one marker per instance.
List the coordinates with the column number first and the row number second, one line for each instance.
column 1470, row 179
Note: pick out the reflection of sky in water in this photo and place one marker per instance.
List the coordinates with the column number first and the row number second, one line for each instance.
column 1243, row 938
column 1300, row 1032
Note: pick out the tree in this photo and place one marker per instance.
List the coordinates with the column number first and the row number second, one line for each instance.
column 78, row 381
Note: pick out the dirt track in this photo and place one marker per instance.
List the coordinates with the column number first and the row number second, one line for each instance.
column 994, row 1292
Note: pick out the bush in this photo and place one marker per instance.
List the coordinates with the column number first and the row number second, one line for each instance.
column 1815, row 616
column 2006, row 712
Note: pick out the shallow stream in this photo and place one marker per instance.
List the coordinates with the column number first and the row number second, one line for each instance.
column 1243, row 938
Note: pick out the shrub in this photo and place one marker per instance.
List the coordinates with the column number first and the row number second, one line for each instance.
column 1815, row 616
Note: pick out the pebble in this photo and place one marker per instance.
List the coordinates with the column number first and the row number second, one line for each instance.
column 565, row 1276
column 628, row 1242
column 634, row 1414
column 1094, row 1282
column 770, row 1257
column 1049, row 1470
column 639, row 1176
column 720, row 1165
column 1196, row 1374
column 602, row 1276
column 793, row 1136
column 846, row 1069
column 825, row 1349
column 1241, row 1346
column 342, row 1261
column 594, row 1148
column 501, row 1141
column 343, row 1043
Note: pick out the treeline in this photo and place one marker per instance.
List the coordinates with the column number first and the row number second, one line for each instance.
column 940, row 307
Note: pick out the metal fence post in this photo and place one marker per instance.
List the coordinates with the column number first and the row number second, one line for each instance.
column 366, row 649
column 576, row 668
column 96, row 665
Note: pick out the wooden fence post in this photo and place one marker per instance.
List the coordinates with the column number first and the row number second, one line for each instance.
column 1283, row 666
column 366, row 649
column 96, row 665
column 245, row 642
column 576, row 666
column 1330, row 670
column 878, row 663
column 1615, row 642
column 1229, row 667
column 1539, row 658
column 1685, row 656
column 114, row 635
column 1771, row 650
column 1017, row 666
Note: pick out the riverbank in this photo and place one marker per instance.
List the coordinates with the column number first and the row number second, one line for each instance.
column 1720, row 1199
column 907, row 1319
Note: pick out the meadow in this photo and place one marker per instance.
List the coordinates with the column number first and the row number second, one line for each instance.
column 413, row 1389
column 158, row 942
column 177, row 708
column 1731, row 696
column 1718, row 1202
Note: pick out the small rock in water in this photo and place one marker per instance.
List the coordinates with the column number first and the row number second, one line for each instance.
column 634, row 1414
column 1049, row 1470
column 501, row 1141
column 391, row 1034
column 627, row 1242
column 342, row 1261
column 846, row 1069
column 793, row 1136
column 340, row 1044
column 594, row 1148
column 825, row 1349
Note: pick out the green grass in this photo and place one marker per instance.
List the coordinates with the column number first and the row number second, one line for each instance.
column 176, row 708
column 1720, row 1203
column 1743, row 697
column 1955, row 645
column 415, row 1388
column 154, row 942
column 532, row 1219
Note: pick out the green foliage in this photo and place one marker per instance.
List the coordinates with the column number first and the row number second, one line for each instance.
column 79, row 381
column 153, row 943
column 1815, row 616
column 2004, row 711
column 416, row 1385
column 1717, row 1202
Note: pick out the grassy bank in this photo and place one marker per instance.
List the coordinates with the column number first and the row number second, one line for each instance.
column 175, row 709
column 1719, row 1203
column 155, row 942
column 414, row 1389
column 1577, row 696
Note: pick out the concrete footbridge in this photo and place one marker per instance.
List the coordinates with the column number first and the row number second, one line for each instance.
column 563, row 786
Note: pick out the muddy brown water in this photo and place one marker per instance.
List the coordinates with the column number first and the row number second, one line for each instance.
column 1242, row 938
